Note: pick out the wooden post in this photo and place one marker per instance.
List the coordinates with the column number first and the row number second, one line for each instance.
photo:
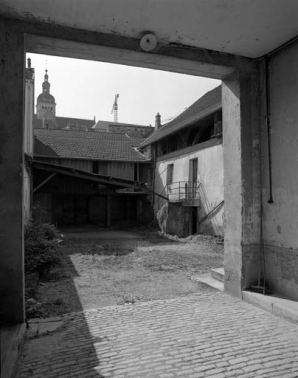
column 108, row 209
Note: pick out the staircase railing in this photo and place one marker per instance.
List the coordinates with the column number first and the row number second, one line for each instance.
column 181, row 190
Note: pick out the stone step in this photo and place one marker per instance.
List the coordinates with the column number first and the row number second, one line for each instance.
column 276, row 304
column 208, row 280
column 218, row 274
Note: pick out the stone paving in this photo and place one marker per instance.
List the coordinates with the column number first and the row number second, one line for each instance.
column 197, row 336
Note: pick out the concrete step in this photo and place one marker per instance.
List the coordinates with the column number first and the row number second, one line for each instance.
column 208, row 280
column 275, row 304
column 218, row 274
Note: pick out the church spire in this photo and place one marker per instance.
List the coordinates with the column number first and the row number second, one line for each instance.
column 46, row 105
column 46, row 85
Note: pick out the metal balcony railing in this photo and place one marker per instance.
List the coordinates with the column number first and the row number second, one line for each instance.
column 182, row 190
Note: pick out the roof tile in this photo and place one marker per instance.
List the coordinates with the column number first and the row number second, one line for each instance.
column 85, row 145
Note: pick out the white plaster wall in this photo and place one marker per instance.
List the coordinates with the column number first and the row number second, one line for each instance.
column 210, row 175
column 281, row 217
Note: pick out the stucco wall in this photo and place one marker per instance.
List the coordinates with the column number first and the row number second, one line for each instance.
column 280, row 224
column 210, row 176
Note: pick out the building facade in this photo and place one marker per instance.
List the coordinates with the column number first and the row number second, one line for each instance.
column 188, row 158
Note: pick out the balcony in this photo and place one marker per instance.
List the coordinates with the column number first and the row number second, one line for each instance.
column 184, row 192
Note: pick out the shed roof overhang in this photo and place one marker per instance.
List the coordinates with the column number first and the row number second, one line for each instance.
column 134, row 187
column 106, row 181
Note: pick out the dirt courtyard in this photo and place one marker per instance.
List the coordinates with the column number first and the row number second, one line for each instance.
column 117, row 267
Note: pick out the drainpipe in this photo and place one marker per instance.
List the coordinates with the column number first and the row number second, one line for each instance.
column 268, row 123
column 261, row 286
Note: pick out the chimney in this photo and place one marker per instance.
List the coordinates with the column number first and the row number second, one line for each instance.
column 29, row 62
column 157, row 121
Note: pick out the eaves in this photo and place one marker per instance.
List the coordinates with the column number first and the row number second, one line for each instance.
column 188, row 122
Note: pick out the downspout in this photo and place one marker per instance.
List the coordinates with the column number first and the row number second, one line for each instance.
column 261, row 285
column 268, row 123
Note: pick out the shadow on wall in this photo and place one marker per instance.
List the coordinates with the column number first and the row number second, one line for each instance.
column 210, row 220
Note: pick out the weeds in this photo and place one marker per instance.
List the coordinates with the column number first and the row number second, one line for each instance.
column 41, row 248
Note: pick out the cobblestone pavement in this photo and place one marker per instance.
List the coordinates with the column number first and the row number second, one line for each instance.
column 201, row 335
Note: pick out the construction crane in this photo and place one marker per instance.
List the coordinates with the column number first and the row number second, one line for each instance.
column 115, row 109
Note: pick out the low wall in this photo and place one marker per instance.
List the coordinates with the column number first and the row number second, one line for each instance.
column 281, row 270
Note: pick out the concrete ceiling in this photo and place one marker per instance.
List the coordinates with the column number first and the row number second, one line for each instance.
column 249, row 28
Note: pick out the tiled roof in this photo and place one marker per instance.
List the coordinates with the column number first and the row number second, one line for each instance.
column 105, row 124
column 85, row 145
column 125, row 128
column 205, row 105
column 63, row 122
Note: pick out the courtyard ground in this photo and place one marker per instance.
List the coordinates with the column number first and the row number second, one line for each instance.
column 201, row 335
column 117, row 267
column 129, row 308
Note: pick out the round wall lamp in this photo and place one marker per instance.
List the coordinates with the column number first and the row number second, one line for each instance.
column 148, row 42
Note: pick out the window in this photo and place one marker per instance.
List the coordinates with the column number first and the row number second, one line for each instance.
column 170, row 171
column 193, row 170
column 192, row 178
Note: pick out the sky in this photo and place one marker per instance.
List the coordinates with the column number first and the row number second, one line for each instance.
column 86, row 89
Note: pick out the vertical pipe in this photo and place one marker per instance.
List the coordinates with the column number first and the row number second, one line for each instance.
column 268, row 122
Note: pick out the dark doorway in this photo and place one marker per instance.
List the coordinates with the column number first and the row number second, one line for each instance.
column 194, row 220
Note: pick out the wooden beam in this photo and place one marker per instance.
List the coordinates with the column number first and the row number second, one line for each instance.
column 108, row 209
column 197, row 137
column 78, row 50
column 120, row 49
column 61, row 40
column 44, row 182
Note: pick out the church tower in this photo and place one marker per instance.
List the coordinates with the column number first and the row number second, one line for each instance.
column 46, row 105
